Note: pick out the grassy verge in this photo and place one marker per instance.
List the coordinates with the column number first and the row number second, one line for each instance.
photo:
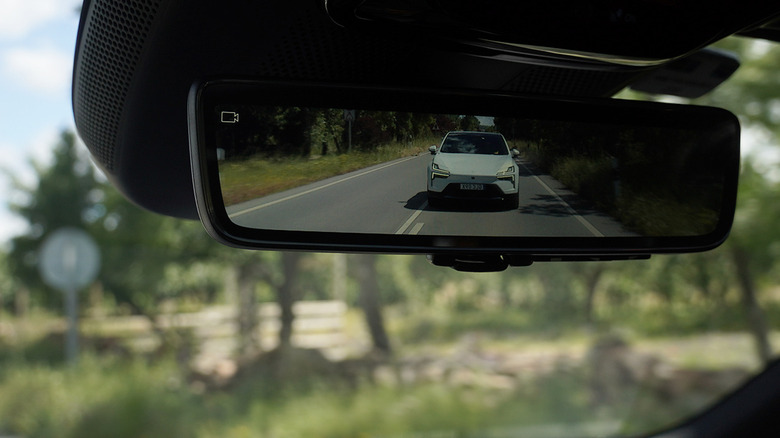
column 100, row 397
column 140, row 399
column 109, row 396
column 251, row 178
column 642, row 201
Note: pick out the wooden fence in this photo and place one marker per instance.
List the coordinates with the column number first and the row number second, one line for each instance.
column 317, row 324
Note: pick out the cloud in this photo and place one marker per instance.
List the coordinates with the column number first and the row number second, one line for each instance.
column 20, row 17
column 43, row 70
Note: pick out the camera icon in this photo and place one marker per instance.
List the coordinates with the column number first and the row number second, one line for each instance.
column 228, row 117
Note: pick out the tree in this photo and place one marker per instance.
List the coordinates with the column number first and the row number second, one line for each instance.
column 138, row 248
column 64, row 196
column 286, row 295
column 753, row 258
column 753, row 93
column 369, row 301
column 469, row 123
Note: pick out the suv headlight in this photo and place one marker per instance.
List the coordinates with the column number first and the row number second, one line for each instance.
column 437, row 172
column 508, row 174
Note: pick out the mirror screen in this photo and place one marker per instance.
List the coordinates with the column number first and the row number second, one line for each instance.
column 419, row 173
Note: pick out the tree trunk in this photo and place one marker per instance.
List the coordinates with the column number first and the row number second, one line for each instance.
column 22, row 302
column 591, row 282
column 247, row 317
column 369, row 300
column 286, row 295
column 756, row 319
column 339, row 284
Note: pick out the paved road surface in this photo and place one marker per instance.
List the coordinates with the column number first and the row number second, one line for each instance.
column 391, row 198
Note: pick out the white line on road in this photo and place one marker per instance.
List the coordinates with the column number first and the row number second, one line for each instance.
column 412, row 218
column 568, row 207
column 416, row 229
column 287, row 198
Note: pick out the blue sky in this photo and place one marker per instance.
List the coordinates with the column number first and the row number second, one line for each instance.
column 37, row 41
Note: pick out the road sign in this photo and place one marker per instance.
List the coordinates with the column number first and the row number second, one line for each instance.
column 68, row 261
column 349, row 117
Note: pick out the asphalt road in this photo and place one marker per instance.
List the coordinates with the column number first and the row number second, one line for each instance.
column 391, row 198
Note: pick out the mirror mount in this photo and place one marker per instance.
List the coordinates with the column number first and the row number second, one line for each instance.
column 498, row 263
column 473, row 262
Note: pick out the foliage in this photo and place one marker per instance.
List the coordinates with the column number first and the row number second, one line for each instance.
column 151, row 399
column 138, row 248
column 651, row 184
column 100, row 398
column 256, row 176
column 304, row 132
column 62, row 197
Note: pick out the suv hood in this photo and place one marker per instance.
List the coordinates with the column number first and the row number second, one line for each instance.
column 473, row 164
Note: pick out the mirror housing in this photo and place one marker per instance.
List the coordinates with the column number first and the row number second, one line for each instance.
column 432, row 149
column 700, row 144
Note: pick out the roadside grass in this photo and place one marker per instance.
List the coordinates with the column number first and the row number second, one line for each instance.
column 99, row 397
column 656, row 215
column 255, row 177
column 366, row 411
column 643, row 202
column 133, row 397
column 105, row 397
column 150, row 399
column 121, row 397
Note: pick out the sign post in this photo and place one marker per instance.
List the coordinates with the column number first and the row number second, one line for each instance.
column 69, row 261
column 349, row 116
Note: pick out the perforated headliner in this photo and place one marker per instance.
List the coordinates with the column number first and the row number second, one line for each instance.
column 136, row 61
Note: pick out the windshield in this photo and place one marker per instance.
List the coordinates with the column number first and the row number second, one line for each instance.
column 481, row 144
column 176, row 336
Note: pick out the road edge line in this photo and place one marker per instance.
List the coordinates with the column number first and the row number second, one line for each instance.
column 287, row 198
column 589, row 226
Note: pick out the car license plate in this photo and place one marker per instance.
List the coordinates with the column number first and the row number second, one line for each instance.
column 472, row 187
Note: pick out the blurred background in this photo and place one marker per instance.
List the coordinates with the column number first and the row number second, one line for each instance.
column 182, row 337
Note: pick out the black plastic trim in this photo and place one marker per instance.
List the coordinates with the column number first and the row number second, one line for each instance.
column 214, row 216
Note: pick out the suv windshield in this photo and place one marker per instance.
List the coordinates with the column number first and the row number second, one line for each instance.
column 482, row 144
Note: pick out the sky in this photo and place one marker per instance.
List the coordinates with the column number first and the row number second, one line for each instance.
column 37, row 42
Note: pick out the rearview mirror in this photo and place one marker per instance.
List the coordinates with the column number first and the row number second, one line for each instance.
column 318, row 167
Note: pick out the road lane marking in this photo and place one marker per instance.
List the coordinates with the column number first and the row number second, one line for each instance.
column 417, row 227
column 412, row 218
column 569, row 209
column 297, row 195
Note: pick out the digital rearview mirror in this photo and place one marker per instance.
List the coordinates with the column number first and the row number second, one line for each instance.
column 322, row 167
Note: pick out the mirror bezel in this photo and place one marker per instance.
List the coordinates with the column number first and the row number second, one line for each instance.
column 214, row 216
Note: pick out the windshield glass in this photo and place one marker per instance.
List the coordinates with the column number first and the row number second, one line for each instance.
column 481, row 144
column 177, row 336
